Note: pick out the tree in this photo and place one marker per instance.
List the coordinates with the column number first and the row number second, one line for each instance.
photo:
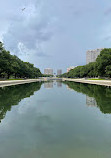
column 102, row 61
column 102, row 67
column 1, row 46
column 11, row 65
column 108, row 71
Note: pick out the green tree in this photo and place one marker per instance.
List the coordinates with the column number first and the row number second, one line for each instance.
column 11, row 65
column 102, row 61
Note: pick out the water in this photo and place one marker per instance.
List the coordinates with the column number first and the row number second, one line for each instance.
column 55, row 120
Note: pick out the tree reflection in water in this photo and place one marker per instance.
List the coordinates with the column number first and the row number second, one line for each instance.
column 99, row 95
column 10, row 96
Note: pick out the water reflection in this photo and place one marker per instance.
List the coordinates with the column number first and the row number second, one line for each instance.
column 48, row 85
column 51, row 84
column 59, row 84
column 54, row 123
column 99, row 96
column 90, row 101
column 10, row 96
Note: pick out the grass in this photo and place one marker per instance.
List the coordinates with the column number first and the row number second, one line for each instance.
column 15, row 79
column 10, row 79
column 96, row 79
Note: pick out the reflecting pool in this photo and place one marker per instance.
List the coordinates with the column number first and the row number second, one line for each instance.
column 55, row 120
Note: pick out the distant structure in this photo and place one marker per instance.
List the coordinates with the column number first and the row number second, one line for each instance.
column 70, row 68
column 59, row 84
column 48, row 85
column 90, row 101
column 59, row 72
column 48, row 71
column 91, row 55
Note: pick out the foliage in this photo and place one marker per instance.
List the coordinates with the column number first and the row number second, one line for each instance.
column 11, row 65
column 12, row 95
column 104, row 63
column 101, row 94
column 88, row 70
column 45, row 75
column 102, row 67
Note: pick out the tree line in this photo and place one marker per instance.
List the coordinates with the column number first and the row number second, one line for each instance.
column 12, row 66
column 101, row 67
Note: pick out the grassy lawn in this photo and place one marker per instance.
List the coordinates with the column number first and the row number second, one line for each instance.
column 96, row 79
column 15, row 79
column 11, row 79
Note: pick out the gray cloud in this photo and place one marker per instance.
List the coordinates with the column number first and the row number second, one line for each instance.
column 62, row 29
column 107, row 38
column 30, row 27
column 42, row 54
column 107, row 12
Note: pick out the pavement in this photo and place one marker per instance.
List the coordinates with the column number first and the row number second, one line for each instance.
column 82, row 80
column 16, row 82
column 95, row 82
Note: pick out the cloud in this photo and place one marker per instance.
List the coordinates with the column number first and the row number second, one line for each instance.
column 23, row 51
column 105, row 33
column 107, row 38
column 107, row 12
column 60, row 28
column 29, row 29
column 42, row 54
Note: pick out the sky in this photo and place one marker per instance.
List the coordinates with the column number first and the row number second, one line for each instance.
column 55, row 33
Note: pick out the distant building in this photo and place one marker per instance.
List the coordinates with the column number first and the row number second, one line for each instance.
column 90, row 101
column 48, row 71
column 59, row 72
column 91, row 55
column 48, row 85
column 59, row 84
column 70, row 68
